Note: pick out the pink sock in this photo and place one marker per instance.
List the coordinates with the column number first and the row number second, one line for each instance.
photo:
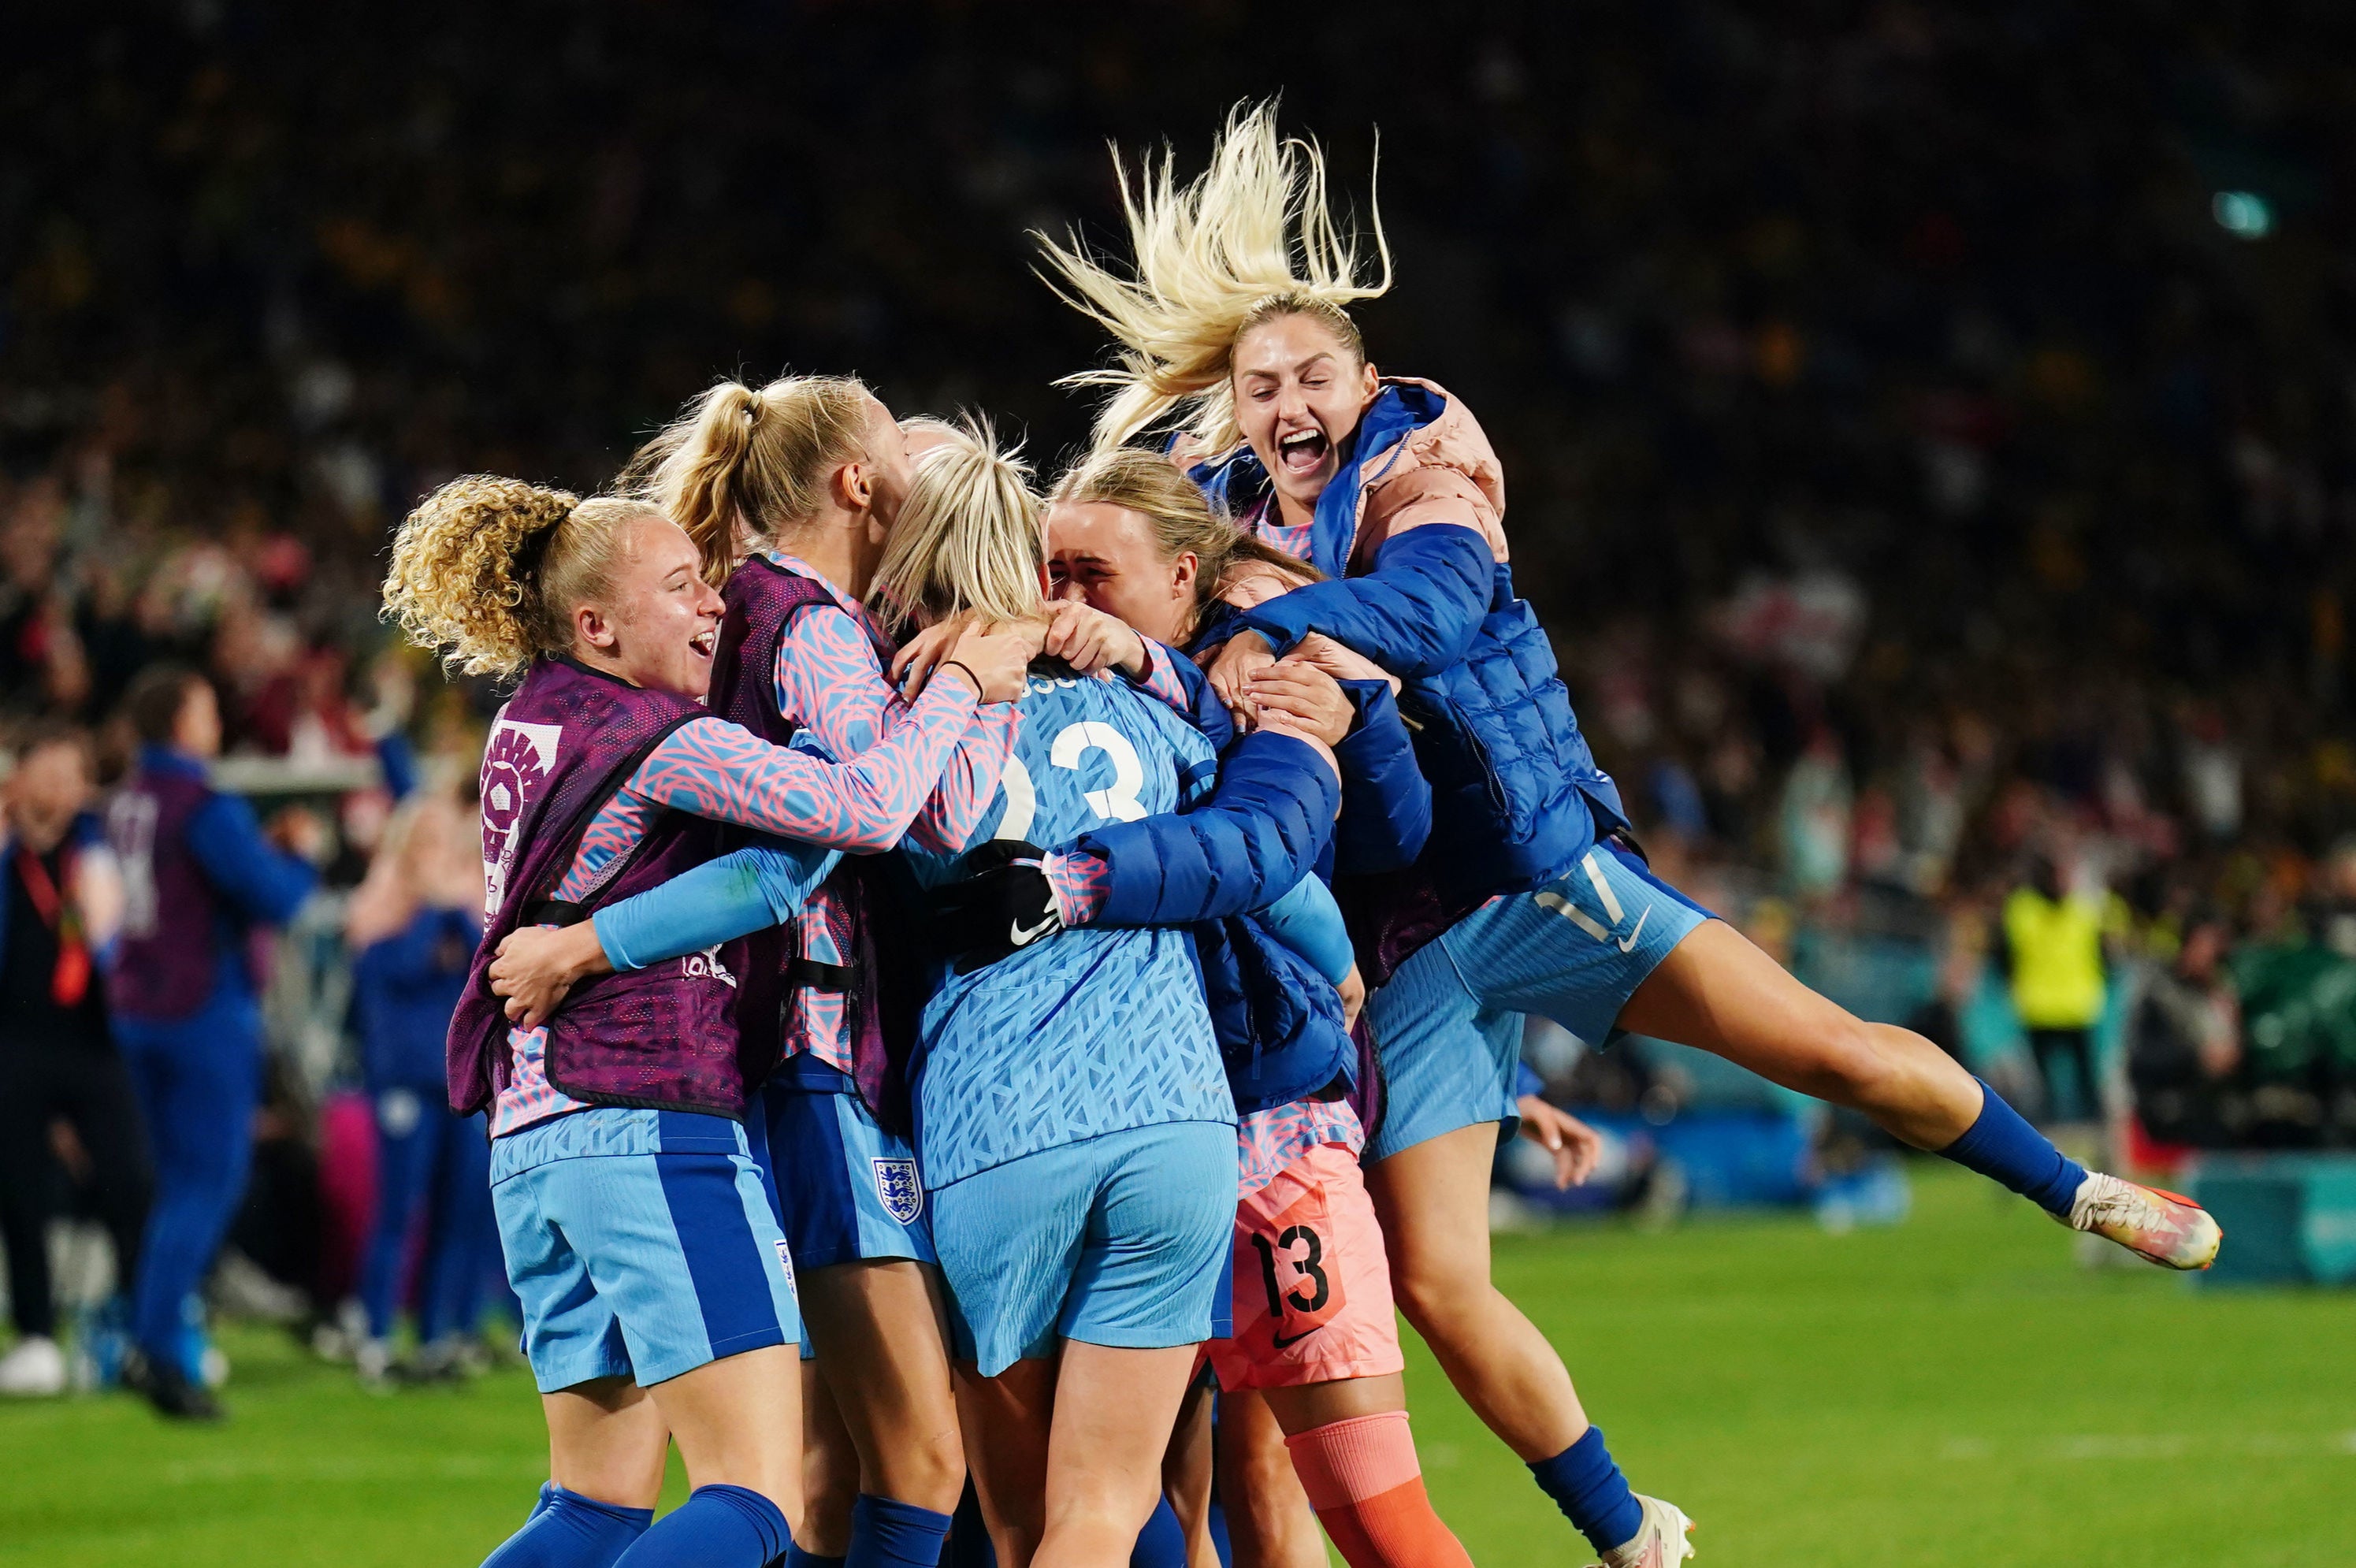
column 1362, row 1480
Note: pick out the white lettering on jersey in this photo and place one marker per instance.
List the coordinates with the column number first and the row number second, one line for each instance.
column 130, row 825
column 1119, row 803
column 706, row 965
column 1022, row 800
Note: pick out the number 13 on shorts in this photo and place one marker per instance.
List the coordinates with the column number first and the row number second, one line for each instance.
column 1313, row 1300
column 1303, row 1286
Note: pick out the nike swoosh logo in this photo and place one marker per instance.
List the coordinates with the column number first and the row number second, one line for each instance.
column 1639, row 931
column 1285, row 1342
column 1021, row 938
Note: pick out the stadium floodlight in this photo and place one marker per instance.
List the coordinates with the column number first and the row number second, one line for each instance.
column 2243, row 213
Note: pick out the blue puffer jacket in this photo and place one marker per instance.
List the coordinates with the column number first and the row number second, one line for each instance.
column 1517, row 789
column 1279, row 1020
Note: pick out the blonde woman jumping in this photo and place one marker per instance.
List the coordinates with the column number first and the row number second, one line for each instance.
column 1230, row 323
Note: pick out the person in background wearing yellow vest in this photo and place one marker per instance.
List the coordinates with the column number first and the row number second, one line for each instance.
column 2053, row 950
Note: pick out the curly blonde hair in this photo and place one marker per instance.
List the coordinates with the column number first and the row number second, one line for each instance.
column 490, row 570
column 1250, row 239
column 741, row 461
column 968, row 538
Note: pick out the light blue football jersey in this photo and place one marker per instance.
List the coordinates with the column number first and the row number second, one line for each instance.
column 1090, row 1031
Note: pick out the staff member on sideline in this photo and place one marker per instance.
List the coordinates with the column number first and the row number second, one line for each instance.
column 60, row 900
column 197, row 874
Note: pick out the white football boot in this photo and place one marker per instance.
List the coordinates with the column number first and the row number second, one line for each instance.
column 2165, row 1227
column 1659, row 1541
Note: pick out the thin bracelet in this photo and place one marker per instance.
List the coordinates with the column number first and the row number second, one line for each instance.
column 960, row 664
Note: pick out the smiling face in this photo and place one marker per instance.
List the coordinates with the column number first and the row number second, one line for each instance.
column 656, row 625
column 1103, row 555
column 1299, row 390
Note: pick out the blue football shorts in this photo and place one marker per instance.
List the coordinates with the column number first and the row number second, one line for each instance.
column 1449, row 1024
column 849, row 1189
column 1120, row 1240
column 641, row 1243
column 846, row 1188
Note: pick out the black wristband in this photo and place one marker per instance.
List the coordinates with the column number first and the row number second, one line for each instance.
column 979, row 690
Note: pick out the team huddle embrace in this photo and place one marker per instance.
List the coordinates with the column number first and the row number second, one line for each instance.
column 975, row 977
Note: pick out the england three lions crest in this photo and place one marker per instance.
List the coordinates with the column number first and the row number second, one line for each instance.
column 902, row 1193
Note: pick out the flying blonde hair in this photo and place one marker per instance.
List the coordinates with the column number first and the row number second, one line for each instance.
column 490, row 570
column 742, row 461
column 968, row 537
column 1250, row 239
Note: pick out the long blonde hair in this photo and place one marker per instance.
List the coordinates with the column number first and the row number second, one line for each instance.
column 1179, row 516
column 1250, row 239
column 490, row 570
column 741, row 461
column 968, row 538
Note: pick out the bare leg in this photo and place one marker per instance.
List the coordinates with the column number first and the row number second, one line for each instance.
column 606, row 1440
column 830, row 1470
column 1187, row 1474
column 1313, row 1405
column 1433, row 1200
column 880, row 1331
column 1114, row 1409
column 1718, row 992
column 738, row 1422
column 1268, row 1520
column 1007, row 1422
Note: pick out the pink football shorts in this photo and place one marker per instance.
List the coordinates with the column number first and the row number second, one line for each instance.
column 1313, row 1288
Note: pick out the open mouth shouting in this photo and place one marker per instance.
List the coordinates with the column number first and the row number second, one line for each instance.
column 1302, row 451
column 703, row 643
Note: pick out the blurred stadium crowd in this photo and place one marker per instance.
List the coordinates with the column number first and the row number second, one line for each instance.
column 1932, row 437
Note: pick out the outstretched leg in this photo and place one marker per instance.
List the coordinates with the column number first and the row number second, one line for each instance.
column 1716, row 990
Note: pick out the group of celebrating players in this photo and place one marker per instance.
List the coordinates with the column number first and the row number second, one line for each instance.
column 971, row 978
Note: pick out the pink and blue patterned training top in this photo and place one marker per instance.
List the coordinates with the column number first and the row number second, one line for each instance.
column 715, row 769
column 1267, row 1140
column 832, row 681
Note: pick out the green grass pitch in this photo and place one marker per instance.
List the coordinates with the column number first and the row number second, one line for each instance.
column 1952, row 1392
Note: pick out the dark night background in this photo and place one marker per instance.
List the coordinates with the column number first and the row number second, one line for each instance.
column 1874, row 383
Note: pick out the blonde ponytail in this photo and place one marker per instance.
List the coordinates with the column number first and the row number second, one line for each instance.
column 1251, row 238
column 740, row 462
column 490, row 570
column 968, row 537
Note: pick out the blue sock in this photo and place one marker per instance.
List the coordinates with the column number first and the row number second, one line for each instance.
column 1591, row 1492
column 1162, row 1542
column 888, row 1533
column 569, row 1531
column 717, row 1527
column 2008, row 1150
column 796, row 1558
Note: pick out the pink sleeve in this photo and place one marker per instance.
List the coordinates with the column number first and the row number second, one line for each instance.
column 1079, row 879
column 969, row 783
column 715, row 769
column 829, row 677
column 1161, row 681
